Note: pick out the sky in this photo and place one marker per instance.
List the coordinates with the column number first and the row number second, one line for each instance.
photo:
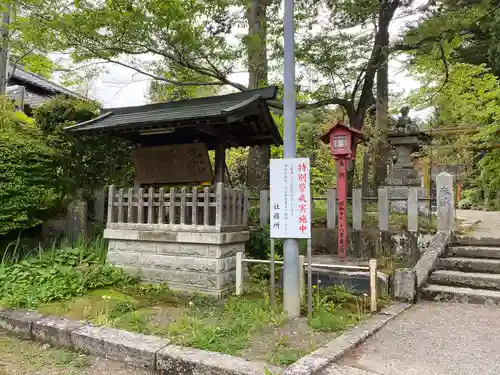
column 122, row 87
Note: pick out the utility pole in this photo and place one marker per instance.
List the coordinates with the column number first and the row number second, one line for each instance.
column 4, row 52
column 291, row 283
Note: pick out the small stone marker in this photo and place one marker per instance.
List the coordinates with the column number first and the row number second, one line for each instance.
column 445, row 202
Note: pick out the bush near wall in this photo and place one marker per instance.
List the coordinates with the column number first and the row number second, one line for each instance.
column 27, row 172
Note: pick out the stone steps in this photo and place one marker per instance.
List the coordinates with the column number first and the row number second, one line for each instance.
column 468, row 272
column 469, row 264
column 474, row 252
column 464, row 295
column 466, row 279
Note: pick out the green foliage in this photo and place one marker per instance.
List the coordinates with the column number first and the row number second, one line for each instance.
column 226, row 331
column 27, row 172
column 84, row 162
column 56, row 274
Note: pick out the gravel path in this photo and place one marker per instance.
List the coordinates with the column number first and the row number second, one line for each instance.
column 434, row 339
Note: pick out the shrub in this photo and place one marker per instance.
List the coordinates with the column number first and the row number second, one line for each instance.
column 56, row 275
column 27, row 172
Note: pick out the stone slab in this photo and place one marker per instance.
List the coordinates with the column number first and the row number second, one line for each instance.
column 470, row 264
column 429, row 259
column 168, row 233
column 466, row 279
column 177, row 249
column 196, row 279
column 185, row 361
column 405, row 284
column 169, row 262
column 474, row 252
column 19, row 323
column 132, row 348
column 464, row 295
column 476, row 241
column 55, row 331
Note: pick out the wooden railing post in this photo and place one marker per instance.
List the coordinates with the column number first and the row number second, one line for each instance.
column 194, row 207
column 413, row 209
column 120, row 206
column 140, row 206
column 373, row 285
column 219, row 205
column 206, row 206
column 239, row 273
column 111, row 198
column 244, row 220
column 130, row 211
column 171, row 209
column 151, row 197
column 161, row 207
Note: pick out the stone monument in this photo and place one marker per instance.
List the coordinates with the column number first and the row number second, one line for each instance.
column 405, row 141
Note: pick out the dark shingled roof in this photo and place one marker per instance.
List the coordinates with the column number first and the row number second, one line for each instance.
column 27, row 78
column 241, row 119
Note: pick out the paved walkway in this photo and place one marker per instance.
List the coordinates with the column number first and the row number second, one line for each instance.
column 435, row 338
column 489, row 225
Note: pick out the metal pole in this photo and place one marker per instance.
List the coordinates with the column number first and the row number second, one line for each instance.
column 4, row 52
column 291, row 283
column 273, row 286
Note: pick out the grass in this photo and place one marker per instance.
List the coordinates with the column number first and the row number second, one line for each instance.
column 74, row 282
column 37, row 357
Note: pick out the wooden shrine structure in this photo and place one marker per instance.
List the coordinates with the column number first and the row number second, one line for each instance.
column 187, row 237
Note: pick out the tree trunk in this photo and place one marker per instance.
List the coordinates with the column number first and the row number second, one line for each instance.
column 258, row 156
column 382, row 104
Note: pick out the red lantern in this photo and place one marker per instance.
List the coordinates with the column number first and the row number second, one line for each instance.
column 343, row 141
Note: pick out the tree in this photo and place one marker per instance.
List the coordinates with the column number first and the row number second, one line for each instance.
column 186, row 44
column 463, row 31
column 85, row 163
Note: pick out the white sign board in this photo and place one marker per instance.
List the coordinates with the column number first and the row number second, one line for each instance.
column 290, row 198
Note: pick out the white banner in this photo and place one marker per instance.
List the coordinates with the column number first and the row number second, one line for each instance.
column 290, row 198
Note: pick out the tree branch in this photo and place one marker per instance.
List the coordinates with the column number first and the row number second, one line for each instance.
column 320, row 103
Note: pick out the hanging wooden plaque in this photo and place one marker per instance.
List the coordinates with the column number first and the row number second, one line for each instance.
column 173, row 164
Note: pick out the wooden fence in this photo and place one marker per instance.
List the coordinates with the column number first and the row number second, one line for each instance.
column 216, row 206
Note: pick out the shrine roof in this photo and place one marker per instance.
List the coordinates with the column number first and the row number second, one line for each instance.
column 240, row 119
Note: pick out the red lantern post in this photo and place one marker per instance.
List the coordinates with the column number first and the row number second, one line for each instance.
column 342, row 140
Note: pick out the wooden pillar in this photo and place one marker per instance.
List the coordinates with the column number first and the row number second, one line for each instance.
column 220, row 162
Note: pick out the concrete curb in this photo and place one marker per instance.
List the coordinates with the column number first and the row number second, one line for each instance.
column 337, row 348
column 134, row 349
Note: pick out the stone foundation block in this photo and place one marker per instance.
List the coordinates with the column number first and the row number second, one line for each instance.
column 135, row 349
column 55, row 331
column 19, row 323
column 185, row 361
column 405, row 284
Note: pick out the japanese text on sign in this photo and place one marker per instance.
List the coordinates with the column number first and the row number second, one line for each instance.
column 290, row 198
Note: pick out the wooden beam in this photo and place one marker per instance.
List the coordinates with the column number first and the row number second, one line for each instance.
column 220, row 162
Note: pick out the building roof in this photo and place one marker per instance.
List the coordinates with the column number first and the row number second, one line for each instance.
column 240, row 119
column 22, row 76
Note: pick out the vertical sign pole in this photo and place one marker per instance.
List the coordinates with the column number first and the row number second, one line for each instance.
column 342, row 207
column 291, row 291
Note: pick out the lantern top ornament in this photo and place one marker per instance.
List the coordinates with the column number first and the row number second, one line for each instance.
column 342, row 140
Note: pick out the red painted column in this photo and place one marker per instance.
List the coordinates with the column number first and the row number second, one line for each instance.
column 342, row 207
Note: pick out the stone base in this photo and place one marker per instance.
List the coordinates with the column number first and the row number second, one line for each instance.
column 191, row 262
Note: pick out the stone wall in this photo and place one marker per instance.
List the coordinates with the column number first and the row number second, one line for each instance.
column 203, row 262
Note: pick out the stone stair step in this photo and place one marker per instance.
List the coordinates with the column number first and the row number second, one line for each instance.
column 469, row 264
column 466, row 279
column 474, row 252
column 475, row 241
column 466, row 295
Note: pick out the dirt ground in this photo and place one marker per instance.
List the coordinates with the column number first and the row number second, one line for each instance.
column 19, row 357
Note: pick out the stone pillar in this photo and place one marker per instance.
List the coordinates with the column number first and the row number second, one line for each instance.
column 445, row 202
column 76, row 220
